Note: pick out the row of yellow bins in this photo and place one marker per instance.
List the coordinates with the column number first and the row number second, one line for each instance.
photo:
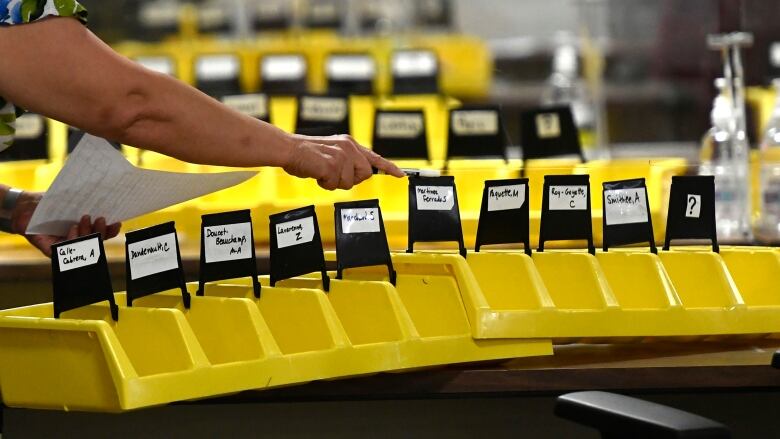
column 443, row 309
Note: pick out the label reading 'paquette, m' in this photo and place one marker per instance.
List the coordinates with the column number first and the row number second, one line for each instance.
column 399, row 126
column 568, row 197
column 294, row 232
column 625, row 206
column 152, row 256
column 360, row 220
column 434, row 197
column 323, row 109
column 228, row 242
column 506, row 197
column 79, row 254
column 475, row 123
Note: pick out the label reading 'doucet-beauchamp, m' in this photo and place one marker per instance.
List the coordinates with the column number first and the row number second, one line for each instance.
column 475, row 123
column 360, row 220
column 506, row 197
column 568, row 197
column 79, row 254
column 295, row 232
column 228, row 242
column 434, row 197
column 152, row 256
column 625, row 206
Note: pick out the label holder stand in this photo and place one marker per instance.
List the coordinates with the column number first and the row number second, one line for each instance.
column 504, row 226
column 295, row 260
column 362, row 249
column 434, row 225
column 415, row 148
column 490, row 145
column 166, row 280
column 565, row 142
column 680, row 224
column 632, row 233
column 557, row 225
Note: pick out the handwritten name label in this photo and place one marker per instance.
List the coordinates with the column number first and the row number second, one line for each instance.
column 350, row 67
column 548, row 125
column 29, row 126
column 295, row 232
column 228, row 242
column 152, row 256
column 506, row 197
column 475, row 123
column 360, row 220
column 399, row 126
column 324, row 109
column 282, row 67
column 434, row 197
column 414, row 63
column 568, row 197
column 79, row 254
column 625, row 206
column 216, row 67
column 693, row 206
column 255, row 105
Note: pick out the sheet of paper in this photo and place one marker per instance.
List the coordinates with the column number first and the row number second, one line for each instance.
column 98, row 181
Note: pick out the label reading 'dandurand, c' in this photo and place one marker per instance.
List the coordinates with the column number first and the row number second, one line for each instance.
column 295, row 232
column 152, row 256
column 399, row 126
column 568, row 197
column 228, row 242
column 324, row 109
column 625, row 206
column 434, row 197
column 360, row 220
column 79, row 254
column 255, row 105
column 506, row 197
column 475, row 123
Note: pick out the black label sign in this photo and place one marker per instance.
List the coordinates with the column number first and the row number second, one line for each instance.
column 566, row 213
column 549, row 132
column 153, row 263
column 691, row 212
column 80, row 275
column 476, row 132
column 218, row 75
column 296, row 246
column 434, row 215
column 227, row 249
column 504, row 216
column 400, row 134
column 283, row 74
column 31, row 139
column 322, row 115
column 350, row 73
column 253, row 105
column 626, row 218
column 360, row 237
column 415, row 72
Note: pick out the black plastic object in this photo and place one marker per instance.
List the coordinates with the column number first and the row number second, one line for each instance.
column 434, row 215
column 322, row 115
column 566, row 210
column 272, row 16
column 476, row 132
column 361, row 240
column 296, row 246
column 349, row 83
column 227, row 249
column 400, row 134
column 549, row 132
column 413, row 83
column 324, row 14
column 504, row 216
column 80, row 275
column 691, row 213
column 618, row 416
column 255, row 105
column 161, row 269
column 218, row 86
column 31, row 140
column 435, row 13
column 75, row 135
column 627, row 218
column 776, row 360
column 285, row 85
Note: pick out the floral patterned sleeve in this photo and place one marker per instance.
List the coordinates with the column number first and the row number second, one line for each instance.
column 14, row 12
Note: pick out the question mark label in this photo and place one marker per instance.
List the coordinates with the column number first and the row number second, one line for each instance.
column 693, row 206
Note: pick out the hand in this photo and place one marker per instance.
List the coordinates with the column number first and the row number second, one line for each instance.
column 25, row 206
column 336, row 162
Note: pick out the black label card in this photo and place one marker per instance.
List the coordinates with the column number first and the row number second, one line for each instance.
column 227, row 249
column 360, row 237
column 626, row 218
column 322, row 115
column 415, row 72
column 434, row 215
column 691, row 212
column 400, row 134
column 549, row 132
column 476, row 131
column 296, row 246
column 31, row 139
column 350, row 73
column 153, row 262
column 504, row 216
column 218, row 74
column 283, row 74
column 324, row 14
column 80, row 275
column 566, row 213
column 255, row 105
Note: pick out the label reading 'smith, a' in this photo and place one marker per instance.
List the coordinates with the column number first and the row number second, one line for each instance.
column 228, row 242
column 152, row 256
column 434, row 197
column 506, row 197
column 360, row 220
column 79, row 254
column 295, row 232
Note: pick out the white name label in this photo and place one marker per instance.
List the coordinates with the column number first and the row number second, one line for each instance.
column 625, row 206
column 414, row 63
column 548, row 125
column 152, row 256
column 159, row 64
column 399, row 126
column 360, row 220
column 29, row 126
column 79, row 254
column 693, row 206
column 568, row 197
column 282, row 67
column 255, row 105
column 323, row 109
column 216, row 67
column 475, row 123
column 434, row 197
column 350, row 67
column 228, row 242
column 294, row 232
column 506, row 197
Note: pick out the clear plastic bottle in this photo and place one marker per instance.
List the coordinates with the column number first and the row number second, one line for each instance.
column 767, row 228
column 724, row 154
